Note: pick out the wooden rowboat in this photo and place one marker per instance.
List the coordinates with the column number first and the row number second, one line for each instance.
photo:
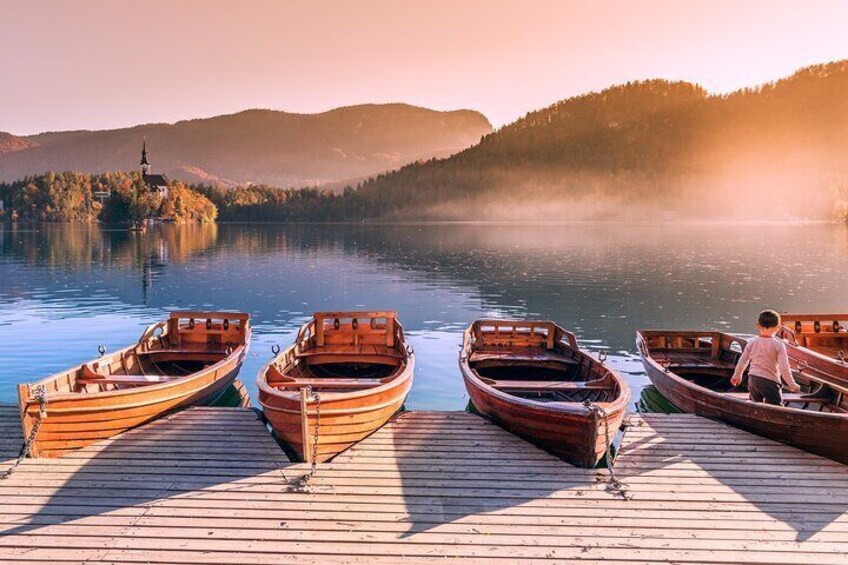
column 817, row 345
column 189, row 359
column 693, row 369
column 345, row 376
column 532, row 379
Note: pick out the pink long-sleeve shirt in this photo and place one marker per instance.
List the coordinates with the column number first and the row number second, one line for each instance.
column 768, row 359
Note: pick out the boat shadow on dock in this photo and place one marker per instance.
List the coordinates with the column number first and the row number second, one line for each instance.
column 732, row 473
column 210, row 485
column 200, row 452
column 429, row 469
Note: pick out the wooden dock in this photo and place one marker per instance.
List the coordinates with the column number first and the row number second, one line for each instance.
column 211, row 486
column 10, row 434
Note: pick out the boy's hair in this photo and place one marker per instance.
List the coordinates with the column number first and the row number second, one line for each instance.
column 769, row 319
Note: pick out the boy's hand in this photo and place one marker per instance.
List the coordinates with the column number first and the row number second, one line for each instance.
column 736, row 380
column 794, row 387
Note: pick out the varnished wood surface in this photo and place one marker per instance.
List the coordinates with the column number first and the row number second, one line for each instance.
column 818, row 345
column 126, row 388
column 574, row 429
column 209, row 486
column 342, row 410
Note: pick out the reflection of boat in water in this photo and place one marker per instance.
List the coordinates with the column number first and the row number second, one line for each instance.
column 345, row 376
column 189, row 359
column 236, row 396
column 693, row 369
column 651, row 401
column 531, row 378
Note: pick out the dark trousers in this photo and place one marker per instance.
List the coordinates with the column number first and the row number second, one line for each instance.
column 765, row 390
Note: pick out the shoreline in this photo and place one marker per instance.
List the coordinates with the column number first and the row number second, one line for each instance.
column 657, row 222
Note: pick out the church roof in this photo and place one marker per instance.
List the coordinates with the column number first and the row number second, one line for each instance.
column 155, row 180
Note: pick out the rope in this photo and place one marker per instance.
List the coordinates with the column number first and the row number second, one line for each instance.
column 41, row 397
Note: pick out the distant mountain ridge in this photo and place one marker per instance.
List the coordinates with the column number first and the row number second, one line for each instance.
column 773, row 151
column 256, row 146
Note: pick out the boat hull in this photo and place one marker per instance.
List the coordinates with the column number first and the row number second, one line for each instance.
column 578, row 429
column 817, row 344
column 316, row 386
column 827, row 369
column 576, row 437
column 70, row 421
column 343, row 420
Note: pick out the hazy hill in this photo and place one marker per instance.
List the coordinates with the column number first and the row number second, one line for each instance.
column 773, row 151
column 256, row 146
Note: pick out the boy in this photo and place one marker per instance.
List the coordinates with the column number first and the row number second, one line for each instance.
column 769, row 362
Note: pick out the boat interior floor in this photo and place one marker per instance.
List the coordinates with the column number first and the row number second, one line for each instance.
column 693, row 360
column 543, row 383
column 524, row 370
column 145, row 369
column 815, row 398
column 520, row 354
column 332, row 377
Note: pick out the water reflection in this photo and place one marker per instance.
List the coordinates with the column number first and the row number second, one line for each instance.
column 64, row 289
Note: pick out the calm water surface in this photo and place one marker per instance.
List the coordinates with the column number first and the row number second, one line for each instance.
column 66, row 289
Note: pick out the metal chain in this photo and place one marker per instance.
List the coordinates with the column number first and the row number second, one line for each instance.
column 302, row 481
column 41, row 396
column 614, row 485
column 317, row 399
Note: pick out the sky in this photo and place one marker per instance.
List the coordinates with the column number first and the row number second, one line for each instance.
column 92, row 64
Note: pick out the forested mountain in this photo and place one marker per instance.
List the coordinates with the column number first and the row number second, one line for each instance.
column 256, row 146
column 634, row 151
column 774, row 151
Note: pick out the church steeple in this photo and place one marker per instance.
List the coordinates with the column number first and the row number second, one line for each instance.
column 156, row 183
column 145, row 165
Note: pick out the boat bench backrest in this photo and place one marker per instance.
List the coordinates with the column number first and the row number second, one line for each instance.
column 209, row 328
column 514, row 333
column 717, row 345
column 356, row 328
column 831, row 325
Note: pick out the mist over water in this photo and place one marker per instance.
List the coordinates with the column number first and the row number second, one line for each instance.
column 748, row 188
column 65, row 289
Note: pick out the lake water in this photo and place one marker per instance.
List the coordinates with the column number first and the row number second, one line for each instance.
column 65, row 289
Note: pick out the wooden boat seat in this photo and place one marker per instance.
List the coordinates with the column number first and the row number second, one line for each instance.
column 600, row 384
column 184, row 351
column 331, row 383
column 529, row 354
column 363, row 349
column 693, row 361
column 133, row 380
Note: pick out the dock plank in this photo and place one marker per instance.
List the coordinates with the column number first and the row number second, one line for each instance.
column 11, row 436
column 212, row 486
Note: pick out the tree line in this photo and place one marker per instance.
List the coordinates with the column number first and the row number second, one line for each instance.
column 655, row 143
column 72, row 197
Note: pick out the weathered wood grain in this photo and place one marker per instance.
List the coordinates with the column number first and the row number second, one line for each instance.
column 183, row 490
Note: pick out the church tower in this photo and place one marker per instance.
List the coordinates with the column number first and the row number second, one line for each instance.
column 145, row 165
column 156, row 183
